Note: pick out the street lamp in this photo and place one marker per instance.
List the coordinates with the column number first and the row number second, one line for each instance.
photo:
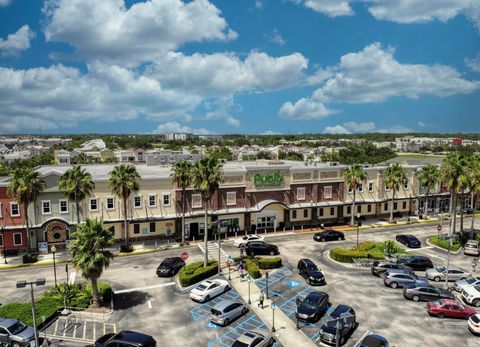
column 274, row 306
column 449, row 238
column 54, row 250
column 249, row 279
column 23, row 284
column 358, row 225
column 4, row 246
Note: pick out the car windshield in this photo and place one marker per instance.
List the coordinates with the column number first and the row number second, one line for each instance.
column 245, row 237
column 17, row 328
column 239, row 344
column 470, row 280
column 311, row 303
column 215, row 312
column 477, row 288
column 437, row 303
column 167, row 262
column 441, row 269
column 201, row 287
column 312, row 267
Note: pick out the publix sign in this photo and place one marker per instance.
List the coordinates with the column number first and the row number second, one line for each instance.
column 272, row 179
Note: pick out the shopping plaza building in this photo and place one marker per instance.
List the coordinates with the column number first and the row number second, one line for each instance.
column 254, row 196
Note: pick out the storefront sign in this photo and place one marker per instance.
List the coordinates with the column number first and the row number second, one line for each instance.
column 43, row 247
column 272, row 179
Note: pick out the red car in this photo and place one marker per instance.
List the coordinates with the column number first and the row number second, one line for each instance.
column 449, row 308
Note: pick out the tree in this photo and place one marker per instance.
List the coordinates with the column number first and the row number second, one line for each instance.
column 181, row 176
column 395, row 174
column 25, row 187
column 451, row 169
column 463, row 184
column 475, row 187
column 123, row 182
column 354, row 175
column 428, row 177
column 77, row 184
column 207, row 174
column 90, row 256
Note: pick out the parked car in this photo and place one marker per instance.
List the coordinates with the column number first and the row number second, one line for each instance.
column 312, row 307
column 409, row 241
column 380, row 266
column 15, row 333
column 329, row 235
column 260, row 248
column 256, row 337
column 425, row 292
column 449, row 308
column 227, row 311
column 328, row 334
column 125, row 338
column 170, row 266
column 247, row 238
column 373, row 340
column 471, row 295
column 209, row 289
column 399, row 278
column 416, row 262
column 472, row 247
column 308, row 270
column 471, row 281
column 454, row 273
column 473, row 324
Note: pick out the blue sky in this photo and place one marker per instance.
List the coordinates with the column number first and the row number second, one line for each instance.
column 245, row 66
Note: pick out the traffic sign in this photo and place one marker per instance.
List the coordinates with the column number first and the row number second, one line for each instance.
column 274, row 306
column 229, row 259
column 439, row 227
column 248, row 278
column 184, row 256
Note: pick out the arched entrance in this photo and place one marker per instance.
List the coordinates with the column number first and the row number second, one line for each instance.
column 56, row 232
column 270, row 215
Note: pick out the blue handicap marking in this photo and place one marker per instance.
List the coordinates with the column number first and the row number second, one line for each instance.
column 212, row 325
column 230, row 259
column 294, row 284
column 311, row 325
column 330, row 309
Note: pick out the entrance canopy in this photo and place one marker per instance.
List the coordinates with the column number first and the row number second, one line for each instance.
column 262, row 204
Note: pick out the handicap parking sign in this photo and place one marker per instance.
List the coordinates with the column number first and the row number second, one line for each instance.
column 294, row 284
column 212, row 325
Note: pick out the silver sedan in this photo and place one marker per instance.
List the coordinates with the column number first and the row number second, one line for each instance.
column 454, row 273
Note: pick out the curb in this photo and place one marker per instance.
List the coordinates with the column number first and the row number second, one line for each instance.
column 443, row 249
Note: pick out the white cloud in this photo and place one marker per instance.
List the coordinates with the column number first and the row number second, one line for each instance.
column 360, row 127
column 473, row 63
column 270, row 132
column 17, row 42
column 374, row 75
column 331, row 8
column 145, row 31
column 4, row 2
column 175, row 127
column 259, row 4
column 276, row 38
column 337, row 129
column 233, row 122
column 395, row 129
column 305, row 109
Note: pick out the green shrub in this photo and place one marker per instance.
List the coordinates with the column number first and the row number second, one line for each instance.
column 252, row 269
column 195, row 272
column 269, row 263
column 78, row 295
column 444, row 243
column 126, row 248
column 30, row 258
column 23, row 311
column 346, row 255
column 365, row 246
column 389, row 247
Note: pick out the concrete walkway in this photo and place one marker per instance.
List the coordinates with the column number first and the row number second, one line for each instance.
column 286, row 330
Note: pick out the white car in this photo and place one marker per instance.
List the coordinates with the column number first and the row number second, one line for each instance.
column 471, row 295
column 247, row 238
column 209, row 289
column 474, row 323
column 471, row 281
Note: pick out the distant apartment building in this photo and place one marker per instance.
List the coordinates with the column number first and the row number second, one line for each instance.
column 166, row 157
column 132, row 155
column 179, row 136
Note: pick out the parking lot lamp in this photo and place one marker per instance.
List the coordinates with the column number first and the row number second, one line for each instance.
column 54, row 250
column 274, row 306
column 249, row 279
column 449, row 238
column 23, row 284
column 266, row 279
column 358, row 226
column 4, row 246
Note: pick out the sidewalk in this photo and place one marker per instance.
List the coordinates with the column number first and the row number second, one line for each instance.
column 286, row 330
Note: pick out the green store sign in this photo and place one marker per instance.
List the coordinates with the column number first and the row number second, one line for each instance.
column 272, row 179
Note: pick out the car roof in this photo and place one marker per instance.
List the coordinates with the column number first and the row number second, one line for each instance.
column 307, row 261
column 341, row 309
column 248, row 336
column 316, row 294
column 132, row 336
column 7, row 322
column 448, row 302
column 223, row 304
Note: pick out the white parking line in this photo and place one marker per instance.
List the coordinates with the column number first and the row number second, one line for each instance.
column 361, row 338
column 455, row 323
column 434, row 255
column 149, row 303
column 144, row 288
column 417, row 249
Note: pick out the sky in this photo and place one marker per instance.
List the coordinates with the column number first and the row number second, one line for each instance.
column 239, row 66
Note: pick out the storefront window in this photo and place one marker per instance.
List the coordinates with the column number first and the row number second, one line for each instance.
column 265, row 222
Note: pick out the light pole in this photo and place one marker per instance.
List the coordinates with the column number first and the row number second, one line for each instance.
column 358, row 226
column 23, row 284
column 266, row 279
column 449, row 238
column 249, row 279
column 54, row 250
column 274, row 306
column 229, row 263
column 4, row 246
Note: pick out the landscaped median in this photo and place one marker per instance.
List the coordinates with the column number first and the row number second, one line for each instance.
column 439, row 242
column 195, row 272
column 254, row 265
column 370, row 250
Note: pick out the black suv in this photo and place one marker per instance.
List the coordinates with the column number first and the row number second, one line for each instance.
column 425, row 292
column 312, row 307
column 329, row 235
column 379, row 267
column 416, row 262
column 308, row 270
column 125, row 339
column 260, row 248
column 328, row 334
column 170, row 266
column 409, row 241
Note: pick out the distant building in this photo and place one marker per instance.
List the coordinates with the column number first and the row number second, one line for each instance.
column 130, row 155
column 178, row 136
column 63, row 157
column 164, row 157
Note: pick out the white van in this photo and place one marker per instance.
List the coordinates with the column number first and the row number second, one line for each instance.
column 472, row 247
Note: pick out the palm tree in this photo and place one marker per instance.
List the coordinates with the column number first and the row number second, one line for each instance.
column 474, row 187
column 207, row 174
column 428, row 177
column 77, row 184
column 463, row 184
column 451, row 170
column 122, row 181
column 395, row 174
column 182, row 177
column 354, row 175
column 89, row 251
column 25, row 187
